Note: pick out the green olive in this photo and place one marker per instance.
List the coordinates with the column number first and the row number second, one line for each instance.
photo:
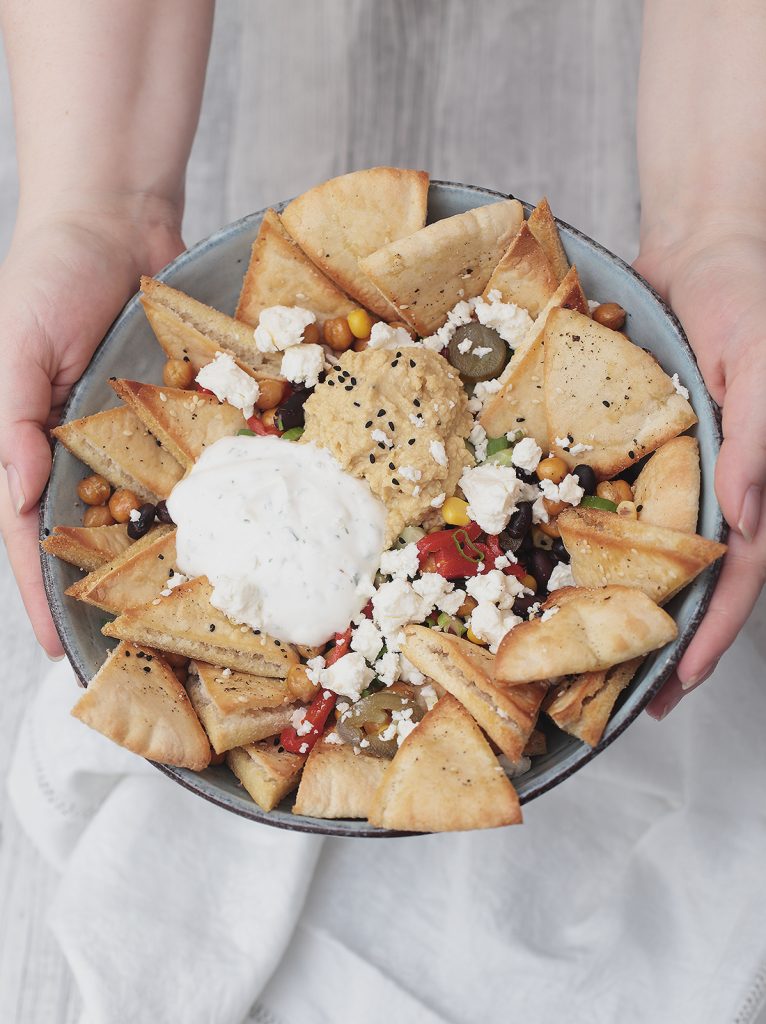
column 375, row 710
column 477, row 363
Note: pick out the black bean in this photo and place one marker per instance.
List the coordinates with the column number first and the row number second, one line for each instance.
column 522, row 604
column 137, row 528
column 586, row 478
column 560, row 551
column 162, row 512
column 543, row 564
column 520, row 522
column 290, row 413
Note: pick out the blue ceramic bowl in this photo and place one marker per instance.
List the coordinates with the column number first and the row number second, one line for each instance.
column 212, row 271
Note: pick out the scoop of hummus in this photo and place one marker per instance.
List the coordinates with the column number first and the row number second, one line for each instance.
column 399, row 419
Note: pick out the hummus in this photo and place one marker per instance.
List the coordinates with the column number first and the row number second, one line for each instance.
column 399, row 419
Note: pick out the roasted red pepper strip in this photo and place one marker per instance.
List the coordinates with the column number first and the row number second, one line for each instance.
column 445, row 539
column 342, row 643
column 316, row 715
column 256, row 424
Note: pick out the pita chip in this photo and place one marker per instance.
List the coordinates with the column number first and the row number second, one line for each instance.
column 520, row 402
column 606, row 392
column 606, row 548
column 583, row 704
column 542, row 224
column 337, row 783
column 507, row 715
column 267, row 773
column 238, row 709
column 429, row 272
column 667, row 490
column 87, row 547
column 185, row 622
column 590, row 630
column 445, row 778
column 136, row 701
column 280, row 274
column 116, row 444
column 339, row 223
column 189, row 330
column 184, row 422
column 524, row 275
column 135, row 576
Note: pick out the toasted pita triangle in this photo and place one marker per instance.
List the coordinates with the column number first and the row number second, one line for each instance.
column 184, row 422
column 116, row 444
column 508, row 716
column 188, row 329
column 592, row 630
column 582, row 706
column 605, row 391
column 337, row 783
column 524, row 275
column 519, row 403
column 186, row 623
column 87, row 547
column 426, row 274
column 343, row 220
column 542, row 224
column 606, row 548
column 267, row 772
column 445, row 778
column 280, row 274
column 537, row 744
column 667, row 490
column 266, row 709
column 134, row 577
column 136, row 701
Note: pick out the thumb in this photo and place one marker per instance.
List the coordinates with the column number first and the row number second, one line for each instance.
column 741, row 468
column 26, row 455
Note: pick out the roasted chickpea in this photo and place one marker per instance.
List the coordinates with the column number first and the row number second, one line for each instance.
column 615, row 490
column 270, row 394
column 529, row 582
column 466, row 607
column 550, row 529
column 403, row 689
column 553, row 468
column 97, row 515
column 94, row 490
column 554, row 507
column 611, row 315
column 177, row 373
column 268, row 417
column 299, row 685
column 122, row 503
column 360, row 346
column 309, row 652
column 337, row 334
column 311, row 334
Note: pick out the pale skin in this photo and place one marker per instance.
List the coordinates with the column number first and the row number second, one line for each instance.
column 95, row 87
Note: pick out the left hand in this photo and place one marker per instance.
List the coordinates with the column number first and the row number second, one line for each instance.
column 715, row 284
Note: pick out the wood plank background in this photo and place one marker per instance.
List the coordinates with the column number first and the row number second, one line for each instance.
column 528, row 96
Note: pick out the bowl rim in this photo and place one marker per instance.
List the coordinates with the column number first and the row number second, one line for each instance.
column 352, row 829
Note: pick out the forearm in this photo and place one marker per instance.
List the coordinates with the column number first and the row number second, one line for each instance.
column 702, row 119
column 106, row 101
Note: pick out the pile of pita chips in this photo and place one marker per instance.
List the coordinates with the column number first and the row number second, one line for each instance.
column 583, row 704
column 267, row 772
column 667, row 490
column 87, row 547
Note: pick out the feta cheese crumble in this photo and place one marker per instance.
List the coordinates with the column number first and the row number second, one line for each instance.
column 679, row 388
column 230, row 384
column 438, row 453
column 402, row 563
column 348, row 676
column 526, row 454
column 511, row 322
column 367, row 640
column 561, row 577
column 281, row 327
column 302, row 364
column 492, row 492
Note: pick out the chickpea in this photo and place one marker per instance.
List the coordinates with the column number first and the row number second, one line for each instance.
column 627, row 510
column 360, row 346
column 553, row 468
column 403, row 689
column 550, row 529
column 360, row 323
column 299, row 685
column 311, row 334
column 122, row 503
column 309, row 652
column 177, row 373
column 554, row 507
column 270, row 394
column 268, row 417
column 615, row 490
column 337, row 334
column 97, row 515
column 529, row 582
column 404, row 327
column 611, row 315
column 94, row 490
column 466, row 607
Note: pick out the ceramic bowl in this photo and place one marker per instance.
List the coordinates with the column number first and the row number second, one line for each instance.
column 212, row 271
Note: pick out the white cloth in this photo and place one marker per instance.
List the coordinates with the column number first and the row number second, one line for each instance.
column 635, row 892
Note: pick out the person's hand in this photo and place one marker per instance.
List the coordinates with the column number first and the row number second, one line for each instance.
column 62, row 284
column 715, row 284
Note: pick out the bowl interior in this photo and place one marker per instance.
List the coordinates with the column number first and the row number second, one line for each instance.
column 212, row 272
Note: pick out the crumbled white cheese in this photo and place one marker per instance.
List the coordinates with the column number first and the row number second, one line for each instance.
column 135, row 515
column 457, row 316
column 333, row 737
column 451, row 601
column 314, row 668
column 281, row 327
column 593, row 305
column 432, row 588
column 511, row 322
column 367, row 640
column 428, row 693
column 464, row 346
column 478, row 438
column 495, row 587
column 482, row 393
column 526, row 454
column 579, row 448
column 381, row 437
column 410, row 473
column 176, row 580
column 384, row 336
column 492, row 492
column 490, row 623
column 408, row 673
column 402, row 563
column 679, row 388
column 539, row 511
column 561, row 577
column 394, row 605
column 438, row 453
column 348, row 676
column 549, row 613
column 417, row 421
column 481, row 351
column 229, row 383
column 439, row 500
column 387, row 668
column 302, row 364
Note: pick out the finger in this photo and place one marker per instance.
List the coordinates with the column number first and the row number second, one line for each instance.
column 25, row 397
column 741, row 468
column 20, row 533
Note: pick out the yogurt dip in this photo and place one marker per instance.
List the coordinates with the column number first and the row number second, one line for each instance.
column 289, row 541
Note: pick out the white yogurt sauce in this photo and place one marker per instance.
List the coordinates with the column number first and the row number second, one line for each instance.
column 289, row 541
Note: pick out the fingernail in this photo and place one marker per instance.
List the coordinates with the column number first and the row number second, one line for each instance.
column 750, row 513
column 14, row 488
column 700, row 677
column 57, row 657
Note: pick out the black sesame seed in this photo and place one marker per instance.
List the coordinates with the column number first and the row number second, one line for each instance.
column 411, row 441
column 372, row 458
column 211, row 627
column 381, row 445
column 416, row 402
column 278, row 643
column 127, row 654
column 357, row 405
column 349, row 387
column 381, row 412
column 631, row 454
column 146, row 668
column 391, row 425
column 520, row 419
column 368, row 423
column 607, row 404
column 331, row 383
column 394, row 363
column 413, row 364
column 391, row 465
column 353, row 380
column 140, row 654
column 394, row 481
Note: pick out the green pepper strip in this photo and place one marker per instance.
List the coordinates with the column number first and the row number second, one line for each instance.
column 463, row 542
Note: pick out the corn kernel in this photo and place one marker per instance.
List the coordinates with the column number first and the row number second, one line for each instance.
column 455, row 512
column 360, row 323
column 470, row 635
column 529, row 582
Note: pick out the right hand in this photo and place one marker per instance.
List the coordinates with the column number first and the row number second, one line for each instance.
column 64, row 281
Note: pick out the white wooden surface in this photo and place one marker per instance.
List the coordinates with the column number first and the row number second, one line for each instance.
column 527, row 96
